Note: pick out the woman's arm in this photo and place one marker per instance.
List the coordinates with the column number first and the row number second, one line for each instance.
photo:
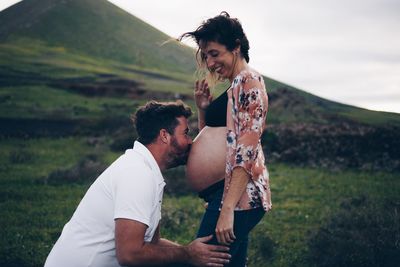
column 224, row 229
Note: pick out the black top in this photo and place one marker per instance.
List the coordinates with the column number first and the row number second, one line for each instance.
column 216, row 112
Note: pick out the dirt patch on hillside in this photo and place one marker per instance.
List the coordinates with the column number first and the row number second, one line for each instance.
column 112, row 86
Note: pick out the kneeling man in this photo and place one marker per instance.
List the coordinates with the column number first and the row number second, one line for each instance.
column 117, row 221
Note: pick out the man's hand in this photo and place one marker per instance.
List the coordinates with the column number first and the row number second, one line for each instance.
column 201, row 254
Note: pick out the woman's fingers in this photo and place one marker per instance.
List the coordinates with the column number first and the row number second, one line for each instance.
column 202, row 94
column 205, row 85
column 198, row 87
column 232, row 235
column 206, row 89
column 225, row 237
column 220, row 237
column 229, row 236
column 201, row 85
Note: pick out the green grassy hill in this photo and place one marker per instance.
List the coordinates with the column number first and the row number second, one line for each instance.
column 96, row 28
column 48, row 41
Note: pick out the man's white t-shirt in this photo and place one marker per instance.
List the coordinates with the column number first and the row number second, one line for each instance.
column 131, row 188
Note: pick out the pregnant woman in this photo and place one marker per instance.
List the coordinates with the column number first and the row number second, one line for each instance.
column 226, row 163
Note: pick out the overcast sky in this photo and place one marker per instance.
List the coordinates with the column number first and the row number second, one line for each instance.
column 343, row 50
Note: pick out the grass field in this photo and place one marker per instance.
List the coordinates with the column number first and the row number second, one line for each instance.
column 33, row 211
column 36, row 200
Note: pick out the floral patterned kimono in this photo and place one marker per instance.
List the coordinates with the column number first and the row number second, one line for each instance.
column 246, row 114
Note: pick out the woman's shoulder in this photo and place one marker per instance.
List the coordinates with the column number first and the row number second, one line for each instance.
column 248, row 76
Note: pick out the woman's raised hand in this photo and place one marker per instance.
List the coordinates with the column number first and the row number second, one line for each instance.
column 202, row 95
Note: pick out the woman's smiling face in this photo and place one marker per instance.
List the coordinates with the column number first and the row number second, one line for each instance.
column 218, row 59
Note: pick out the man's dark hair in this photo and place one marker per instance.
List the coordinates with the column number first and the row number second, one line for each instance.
column 224, row 30
column 154, row 116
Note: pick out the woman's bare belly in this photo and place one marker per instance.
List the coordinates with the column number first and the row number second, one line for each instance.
column 206, row 162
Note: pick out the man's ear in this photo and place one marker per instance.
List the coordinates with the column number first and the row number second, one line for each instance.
column 164, row 136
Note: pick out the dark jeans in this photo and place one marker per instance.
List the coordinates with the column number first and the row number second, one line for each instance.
column 244, row 222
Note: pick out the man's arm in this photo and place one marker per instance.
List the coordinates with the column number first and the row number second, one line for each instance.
column 131, row 250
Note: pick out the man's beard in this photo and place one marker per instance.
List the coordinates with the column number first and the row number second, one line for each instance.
column 177, row 157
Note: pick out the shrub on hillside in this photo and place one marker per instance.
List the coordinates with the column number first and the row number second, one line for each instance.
column 176, row 183
column 363, row 233
column 262, row 247
column 181, row 218
column 87, row 170
column 335, row 146
column 123, row 139
column 20, row 156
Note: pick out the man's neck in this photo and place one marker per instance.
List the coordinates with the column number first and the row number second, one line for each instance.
column 158, row 153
